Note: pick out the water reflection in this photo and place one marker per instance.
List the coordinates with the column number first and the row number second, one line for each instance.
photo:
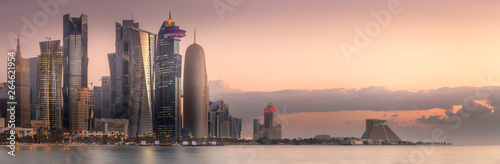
column 251, row 154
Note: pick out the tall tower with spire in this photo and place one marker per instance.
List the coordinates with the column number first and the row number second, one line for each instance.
column 168, row 65
column 196, row 92
column 22, row 83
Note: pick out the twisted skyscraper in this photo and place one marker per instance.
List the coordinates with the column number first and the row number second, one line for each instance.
column 132, row 77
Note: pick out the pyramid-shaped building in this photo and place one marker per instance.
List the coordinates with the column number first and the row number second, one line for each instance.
column 377, row 131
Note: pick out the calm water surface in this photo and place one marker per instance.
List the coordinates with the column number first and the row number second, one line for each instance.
column 256, row 154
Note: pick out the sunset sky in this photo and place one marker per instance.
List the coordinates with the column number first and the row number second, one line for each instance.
column 430, row 57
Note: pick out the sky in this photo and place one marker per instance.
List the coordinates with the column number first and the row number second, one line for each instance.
column 413, row 63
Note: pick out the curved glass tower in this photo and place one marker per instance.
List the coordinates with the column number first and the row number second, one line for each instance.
column 195, row 92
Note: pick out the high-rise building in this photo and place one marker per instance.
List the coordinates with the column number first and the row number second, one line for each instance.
column 256, row 129
column 112, row 76
column 22, row 90
column 219, row 120
column 97, row 101
column 82, row 109
column 106, row 97
column 35, row 109
column 33, row 80
column 133, row 77
column 271, row 129
column 235, row 127
column 75, row 61
column 195, row 91
column 168, row 65
column 50, row 83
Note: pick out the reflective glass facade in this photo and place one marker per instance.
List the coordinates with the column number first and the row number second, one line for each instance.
column 49, row 86
column 75, row 61
column 106, row 97
column 132, row 77
column 168, row 66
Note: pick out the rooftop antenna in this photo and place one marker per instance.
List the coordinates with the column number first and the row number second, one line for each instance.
column 132, row 14
column 194, row 35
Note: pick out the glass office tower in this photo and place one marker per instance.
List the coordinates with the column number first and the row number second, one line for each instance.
column 50, row 83
column 133, row 77
column 75, row 61
column 168, row 64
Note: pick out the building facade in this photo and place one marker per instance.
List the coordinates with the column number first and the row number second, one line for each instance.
column 49, row 86
column 97, row 101
column 256, row 129
column 75, row 61
column 195, row 92
column 133, row 77
column 82, row 109
column 168, row 67
column 35, row 109
column 109, row 125
column 377, row 131
column 106, row 97
column 270, row 129
column 22, row 90
column 235, row 127
column 219, row 120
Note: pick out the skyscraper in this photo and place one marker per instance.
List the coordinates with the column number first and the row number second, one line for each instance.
column 97, row 101
column 256, row 129
column 195, row 91
column 219, row 120
column 82, row 109
column 106, row 97
column 75, row 61
column 49, row 83
column 235, row 127
column 271, row 129
column 168, row 66
column 112, row 76
column 33, row 79
column 133, row 76
column 22, row 90
column 35, row 110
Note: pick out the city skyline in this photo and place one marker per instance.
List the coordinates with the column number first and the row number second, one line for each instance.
column 431, row 67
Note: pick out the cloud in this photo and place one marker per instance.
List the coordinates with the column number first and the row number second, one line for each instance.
column 435, row 119
column 221, row 87
column 429, row 108
column 476, row 123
